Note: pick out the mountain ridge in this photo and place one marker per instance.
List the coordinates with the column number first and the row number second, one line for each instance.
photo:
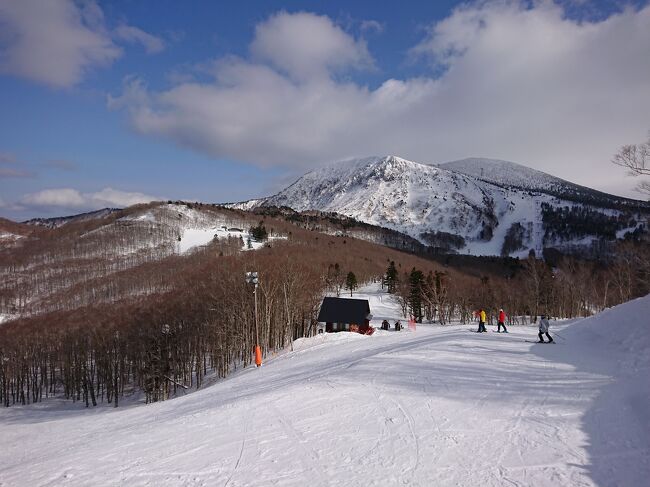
column 511, row 174
column 473, row 206
column 508, row 211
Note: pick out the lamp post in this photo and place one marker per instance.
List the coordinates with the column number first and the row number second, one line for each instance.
column 252, row 278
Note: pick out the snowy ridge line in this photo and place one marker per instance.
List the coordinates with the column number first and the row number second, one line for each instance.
column 474, row 206
column 509, row 174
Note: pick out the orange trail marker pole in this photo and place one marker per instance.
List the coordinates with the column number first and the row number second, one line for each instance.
column 258, row 355
column 252, row 278
column 258, row 350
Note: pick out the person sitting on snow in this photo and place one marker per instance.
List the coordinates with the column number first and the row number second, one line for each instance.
column 543, row 328
column 385, row 325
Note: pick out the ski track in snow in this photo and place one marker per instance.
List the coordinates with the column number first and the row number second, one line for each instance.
column 438, row 406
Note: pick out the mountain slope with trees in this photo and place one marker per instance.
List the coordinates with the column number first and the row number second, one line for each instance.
column 475, row 206
column 101, row 310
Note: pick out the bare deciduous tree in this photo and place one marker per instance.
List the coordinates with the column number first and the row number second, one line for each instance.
column 636, row 158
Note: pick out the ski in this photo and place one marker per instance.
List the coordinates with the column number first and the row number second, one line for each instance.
column 537, row 341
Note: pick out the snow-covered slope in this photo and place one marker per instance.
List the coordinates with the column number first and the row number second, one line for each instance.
column 11, row 232
column 482, row 201
column 511, row 175
column 395, row 193
column 437, row 406
column 188, row 227
column 506, row 173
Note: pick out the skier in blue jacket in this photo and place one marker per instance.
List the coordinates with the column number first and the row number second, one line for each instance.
column 543, row 328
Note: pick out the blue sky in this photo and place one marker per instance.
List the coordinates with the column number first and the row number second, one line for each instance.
column 110, row 103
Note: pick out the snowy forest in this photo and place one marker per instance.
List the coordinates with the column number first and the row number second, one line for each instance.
column 107, row 308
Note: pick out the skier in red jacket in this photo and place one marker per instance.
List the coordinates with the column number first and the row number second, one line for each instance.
column 502, row 322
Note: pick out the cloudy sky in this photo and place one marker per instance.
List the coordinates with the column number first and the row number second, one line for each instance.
column 113, row 103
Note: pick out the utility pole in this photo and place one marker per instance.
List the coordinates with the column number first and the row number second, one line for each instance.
column 252, row 278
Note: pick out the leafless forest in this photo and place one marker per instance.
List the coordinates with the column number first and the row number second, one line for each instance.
column 107, row 308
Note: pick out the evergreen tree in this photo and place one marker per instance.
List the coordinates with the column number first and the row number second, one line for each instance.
column 259, row 233
column 351, row 282
column 416, row 281
column 391, row 277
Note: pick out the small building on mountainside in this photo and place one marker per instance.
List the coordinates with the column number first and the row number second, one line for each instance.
column 341, row 314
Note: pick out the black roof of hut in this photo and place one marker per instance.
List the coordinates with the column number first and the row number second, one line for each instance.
column 341, row 310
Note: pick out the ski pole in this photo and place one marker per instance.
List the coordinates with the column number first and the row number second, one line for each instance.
column 557, row 334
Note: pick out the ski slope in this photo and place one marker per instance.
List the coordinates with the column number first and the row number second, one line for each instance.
column 436, row 406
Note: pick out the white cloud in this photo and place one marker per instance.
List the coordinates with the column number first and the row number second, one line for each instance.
column 449, row 39
column 128, row 33
column 371, row 26
column 306, row 46
column 53, row 42
column 72, row 198
column 56, row 42
column 66, row 197
column 115, row 197
column 522, row 84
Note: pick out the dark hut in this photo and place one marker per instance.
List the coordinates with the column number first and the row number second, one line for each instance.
column 340, row 314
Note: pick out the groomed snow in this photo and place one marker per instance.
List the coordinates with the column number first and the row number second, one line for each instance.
column 439, row 406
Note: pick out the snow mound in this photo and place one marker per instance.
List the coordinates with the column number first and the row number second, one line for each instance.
column 623, row 330
column 612, row 349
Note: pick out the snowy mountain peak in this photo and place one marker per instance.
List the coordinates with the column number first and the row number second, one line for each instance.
column 476, row 206
column 381, row 166
column 396, row 193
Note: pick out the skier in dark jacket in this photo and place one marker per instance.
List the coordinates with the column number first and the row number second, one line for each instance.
column 543, row 328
